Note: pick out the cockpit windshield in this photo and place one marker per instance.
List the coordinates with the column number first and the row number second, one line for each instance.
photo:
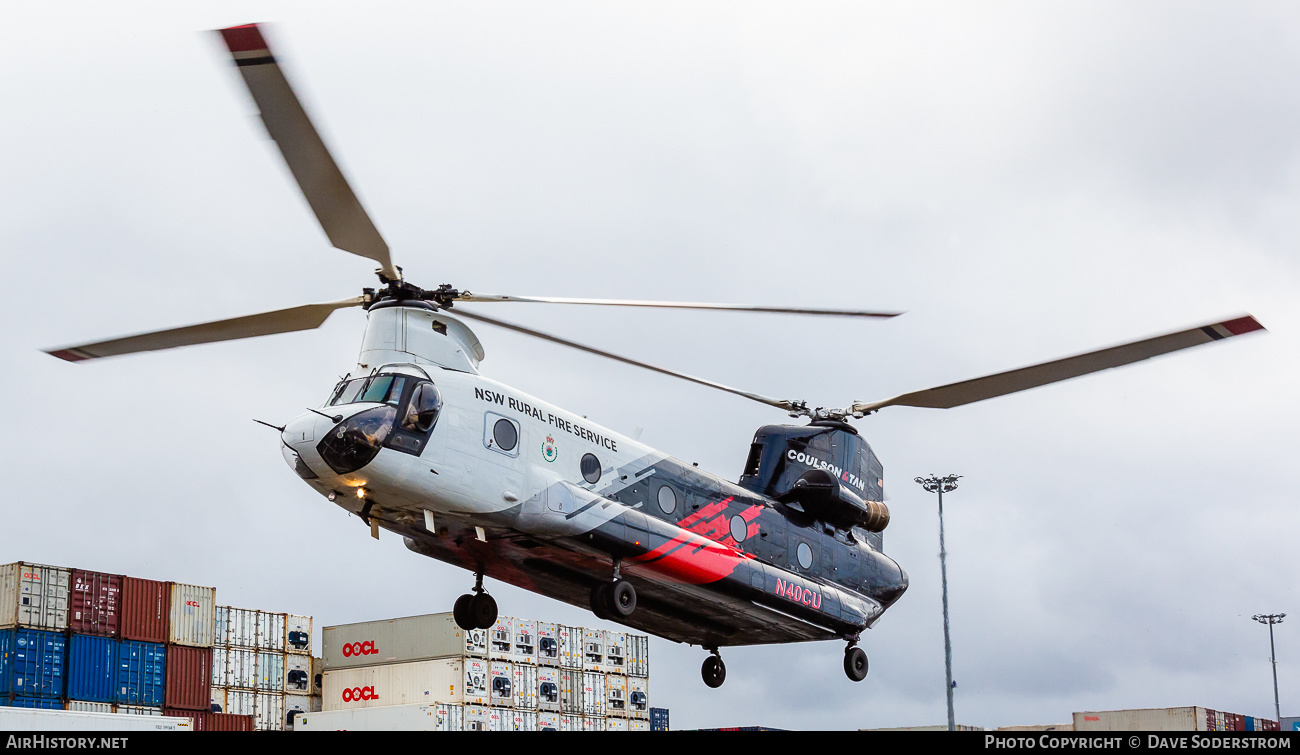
column 379, row 389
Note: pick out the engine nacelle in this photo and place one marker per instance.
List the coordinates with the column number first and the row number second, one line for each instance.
column 819, row 493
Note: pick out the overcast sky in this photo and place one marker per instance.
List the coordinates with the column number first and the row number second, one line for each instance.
column 1027, row 180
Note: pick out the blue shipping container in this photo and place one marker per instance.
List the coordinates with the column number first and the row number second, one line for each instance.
column 92, row 668
column 141, row 673
column 48, row 703
column 658, row 719
column 32, row 663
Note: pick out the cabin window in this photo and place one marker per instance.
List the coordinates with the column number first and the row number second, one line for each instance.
column 590, row 466
column 805, row 554
column 738, row 528
column 667, row 499
column 501, row 434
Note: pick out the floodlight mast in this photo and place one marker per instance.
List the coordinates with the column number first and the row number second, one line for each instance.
column 1271, row 619
column 943, row 485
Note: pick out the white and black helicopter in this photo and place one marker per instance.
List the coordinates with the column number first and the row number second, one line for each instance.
column 477, row 474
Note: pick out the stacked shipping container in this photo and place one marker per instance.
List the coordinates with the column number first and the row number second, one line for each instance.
column 262, row 666
column 519, row 675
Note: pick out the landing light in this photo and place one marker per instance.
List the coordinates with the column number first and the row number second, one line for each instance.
column 361, row 492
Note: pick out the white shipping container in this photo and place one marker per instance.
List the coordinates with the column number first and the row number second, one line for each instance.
column 501, row 639
column 34, row 595
column 236, row 627
column 295, row 705
column 548, row 689
column 217, row 699
column 638, row 697
column 502, row 684
column 297, row 674
column 570, row 723
column 476, row 718
column 241, row 702
column 638, row 724
column 241, row 669
column 1142, row 719
column 593, row 694
column 137, row 710
column 218, row 665
column 615, row 724
column 297, row 634
column 637, row 655
column 548, row 644
column 192, row 617
column 548, row 721
column 477, row 682
column 412, row 638
column 498, row 719
column 270, row 671
column 571, row 692
column 317, row 672
column 593, row 723
column 615, row 695
column 31, row 719
column 441, row 717
column 523, row 720
column 85, row 706
column 593, row 650
column 419, row 683
column 270, row 631
column 615, row 642
column 268, row 711
column 570, row 639
column 525, row 641
column 525, row 678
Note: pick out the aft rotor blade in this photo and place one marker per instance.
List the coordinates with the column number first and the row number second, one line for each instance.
column 306, row 317
column 336, row 206
column 989, row 386
column 777, row 402
column 472, row 297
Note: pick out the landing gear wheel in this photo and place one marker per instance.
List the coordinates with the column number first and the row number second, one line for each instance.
column 600, row 601
column 855, row 663
column 622, row 598
column 483, row 611
column 460, row 612
column 714, row 671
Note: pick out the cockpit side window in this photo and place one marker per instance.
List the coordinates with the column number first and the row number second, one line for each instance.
column 377, row 390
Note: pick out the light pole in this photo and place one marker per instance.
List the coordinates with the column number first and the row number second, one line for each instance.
column 943, row 485
column 1271, row 619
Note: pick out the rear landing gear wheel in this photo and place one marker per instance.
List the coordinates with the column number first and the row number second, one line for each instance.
column 482, row 611
column 460, row 612
column 600, row 601
column 714, row 671
column 855, row 663
column 622, row 599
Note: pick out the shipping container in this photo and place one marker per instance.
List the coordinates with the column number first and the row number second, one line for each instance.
column 501, row 639
column 92, row 668
column 525, row 641
column 418, row 683
column 44, row 703
column 548, row 721
column 615, row 724
column 33, row 663
column 297, row 674
column 34, row 596
column 217, row 699
column 477, row 684
column 297, row 634
column 571, row 692
column 570, row 639
column 144, row 610
column 268, row 711
column 548, row 644
column 638, row 724
column 637, row 653
column 440, row 717
column 475, row 718
column 317, row 672
column 548, row 689
column 1151, row 719
column 659, row 719
column 191, row 616
column 615, row 644
column 96, row 600
column 236, row 627
column 85, row 706
column 593, row 723
column 522, row 720
column 593, row 695
column 141, row 674
column 139, row 710
column 209, row 721
column 412, row 638
column 241, row 702
column 638, row 697
column 12, row 719
column 241, row 669
column 593, row 650
column 270, row 631
column 525, row 684
column 498, row 719
column 189, row 676
column 616, row 695
column 219, row 655
column 501, row 685
column 270, row 671
column 570, row 723
column 295, row 705
column 1290, row 723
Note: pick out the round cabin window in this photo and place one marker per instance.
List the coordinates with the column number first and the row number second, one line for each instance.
column 505, row 435
column 738, row 528
column 590, row 468
column 667, row 499
column 805, row 555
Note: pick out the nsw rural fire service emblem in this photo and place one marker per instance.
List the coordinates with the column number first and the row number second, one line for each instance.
column 549, row 451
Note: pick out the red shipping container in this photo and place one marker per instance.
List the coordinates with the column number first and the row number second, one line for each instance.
column 145, row 607
column 94, row 602
column 189, row 678
column 213, row 721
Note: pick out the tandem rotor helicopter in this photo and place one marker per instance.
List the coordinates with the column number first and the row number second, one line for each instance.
column 480, row 475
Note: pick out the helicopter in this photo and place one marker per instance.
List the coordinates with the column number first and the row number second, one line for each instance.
column 415, row 440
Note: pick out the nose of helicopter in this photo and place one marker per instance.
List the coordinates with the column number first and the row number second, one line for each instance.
column 892, row 584
column 299, row 440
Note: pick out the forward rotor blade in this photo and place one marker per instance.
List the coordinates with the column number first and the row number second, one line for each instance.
column 989, row 386
column 777, row 402
column 472, row 297
column 337, row 208
column 306, row 317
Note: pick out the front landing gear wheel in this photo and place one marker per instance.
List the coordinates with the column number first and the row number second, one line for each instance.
column 622, row 599
column 600, row 601
column 855, row 663
column 714, row 671
column 460, row 612
column 482, row 611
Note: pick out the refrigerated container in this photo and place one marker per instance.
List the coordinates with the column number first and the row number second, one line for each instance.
column 571, row 692
column 477, row 683
column 241, row 669
column 236, row 627
column 593, row 650
column 593, row 723
column 141, row 674
column 570, row 642
column 637, row 655
column 412, row 638
column 593, row 694
column 501, row 684
column 191, row 616
column 522, row 720
column 525, row 641
column 615, row 642
column 1191, row 718
column 616, row 695
column 437, row 717
column 295, row 705
column 570, row 723
column 189, row 677
column 217, row 699
column 92, row 668
column 268, row 711
column 86, row 706
column 549, row 722
column 525, row 684
column 498, row 719
column 317, row 672
column 270, row 631
column 501, row 639
column 34, row 596
column 615, row 724
column 145, row 608
column 241, row 702
column 270, row 671
column 95, row 603
column 219, row 666
column 297, row 634
column 448, row 680
column 476, row 718
column 33, row 663
column 638, row 724
column 548, row 689
column 16, row 719
column 638, row 697
column 297, row 674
